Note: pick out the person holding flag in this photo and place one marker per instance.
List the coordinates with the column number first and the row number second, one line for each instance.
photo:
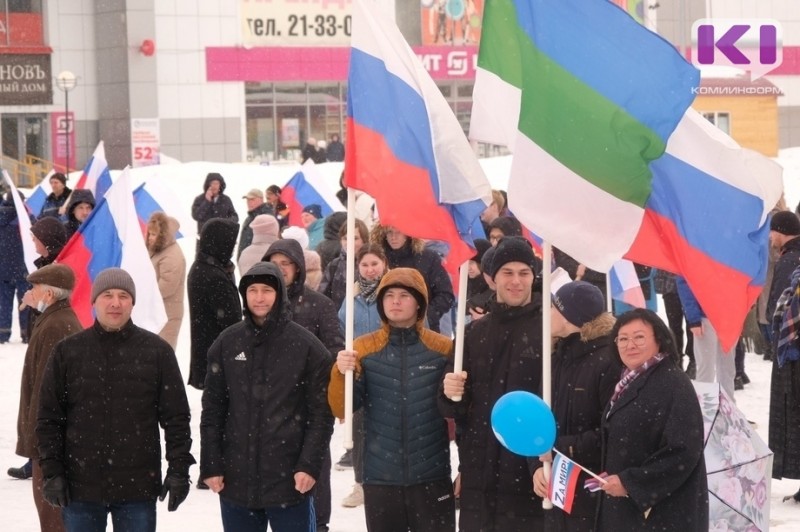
column 406, row 478
column 57, row 198
column 585, row 369
column 502, row 352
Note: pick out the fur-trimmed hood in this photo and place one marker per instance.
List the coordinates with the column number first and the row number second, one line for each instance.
column 166, row 227
column 598, row 327
column 378, row 236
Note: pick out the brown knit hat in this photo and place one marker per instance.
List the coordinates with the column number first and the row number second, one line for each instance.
column 113, row 278
column 55, row 275
column 50, row 232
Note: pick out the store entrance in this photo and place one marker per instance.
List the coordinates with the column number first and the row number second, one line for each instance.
column 23, row 135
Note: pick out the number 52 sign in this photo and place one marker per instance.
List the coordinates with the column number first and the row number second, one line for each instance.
column 145, row 142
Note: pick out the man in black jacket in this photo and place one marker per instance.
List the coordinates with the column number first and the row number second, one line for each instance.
column 104, row 394
column 585, row 370
column 502, row 353
column 317, row 315
column 213, row 202
column 255, row 207
column 266, row 426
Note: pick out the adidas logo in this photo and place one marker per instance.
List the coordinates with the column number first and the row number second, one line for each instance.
column 240, row 356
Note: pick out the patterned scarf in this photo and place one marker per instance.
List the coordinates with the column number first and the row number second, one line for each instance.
column 368, row 288
column 628, row 375
column 786, row 322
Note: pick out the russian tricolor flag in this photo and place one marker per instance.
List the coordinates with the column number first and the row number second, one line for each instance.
column 112, row 237
column 35, row 201
column 563, row 481
column 28, row 249
column 96, row 175
column 625, row 285
column 145, row 203
column 309, row 187
column 405, row 147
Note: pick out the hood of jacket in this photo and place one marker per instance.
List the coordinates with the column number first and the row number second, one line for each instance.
column 81, row 195
column 165, row 227
column 378, row 236
column 333, row 223
column 292, row 249
column 598, row 327
column 214, row 176
column 408, row 278
column 270, row 274
column 218, row 238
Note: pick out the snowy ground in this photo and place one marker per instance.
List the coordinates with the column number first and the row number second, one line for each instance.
column 201, row 510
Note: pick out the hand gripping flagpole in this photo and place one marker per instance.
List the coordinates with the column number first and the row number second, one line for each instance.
column 458, row 356
column 547, row 252
column 348, row 315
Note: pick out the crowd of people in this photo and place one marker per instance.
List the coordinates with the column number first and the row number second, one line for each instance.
column 268, row 354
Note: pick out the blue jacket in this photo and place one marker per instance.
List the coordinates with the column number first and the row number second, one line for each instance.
column 365, row 316
column 691, row 307
column 398, row 372
column 316, row 233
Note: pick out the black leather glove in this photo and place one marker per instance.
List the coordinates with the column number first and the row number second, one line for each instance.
column 178, row 488
column 56, row 492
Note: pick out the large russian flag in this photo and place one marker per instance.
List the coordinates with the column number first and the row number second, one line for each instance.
column 96, row 175
column 35, row 201
column 309, row 187
column 112, row 237
column 610, row 162
column 405, row 146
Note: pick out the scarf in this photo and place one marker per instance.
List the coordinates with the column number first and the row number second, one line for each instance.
column 786, row 322
column 629, row 375
column 368, row 288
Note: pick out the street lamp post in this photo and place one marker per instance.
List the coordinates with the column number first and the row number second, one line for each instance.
column 66, row 81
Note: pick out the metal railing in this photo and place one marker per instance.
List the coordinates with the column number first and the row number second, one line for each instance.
column 27, row 173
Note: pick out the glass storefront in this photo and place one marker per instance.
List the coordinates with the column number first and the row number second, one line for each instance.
column 282, row 116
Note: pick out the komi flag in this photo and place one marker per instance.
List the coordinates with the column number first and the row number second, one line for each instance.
column 96, row 176
column 563, row 481
column 23, row 216
column 405, row 147
column 111, row 237
column 608, row 159
column 35, row 201
column 309, row 187
column 625, row 285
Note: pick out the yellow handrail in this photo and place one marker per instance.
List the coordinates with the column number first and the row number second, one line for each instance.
column 27, row 173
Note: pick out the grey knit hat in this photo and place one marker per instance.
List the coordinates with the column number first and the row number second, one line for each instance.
column 113, row 278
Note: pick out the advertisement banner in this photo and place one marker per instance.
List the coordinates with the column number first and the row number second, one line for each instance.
column 451, row 22
column 296, row 22
column 62, row 131
column 145, row 142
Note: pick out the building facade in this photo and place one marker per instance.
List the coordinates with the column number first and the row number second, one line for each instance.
column 240, row 80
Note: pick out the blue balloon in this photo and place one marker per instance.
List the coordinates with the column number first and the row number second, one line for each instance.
column 524, row 424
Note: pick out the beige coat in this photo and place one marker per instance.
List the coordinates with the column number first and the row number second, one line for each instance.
column 170, row 266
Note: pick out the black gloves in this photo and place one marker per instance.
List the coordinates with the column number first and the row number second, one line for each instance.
column 178, row 487
column 56, row 492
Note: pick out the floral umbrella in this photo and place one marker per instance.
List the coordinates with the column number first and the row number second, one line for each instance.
column 738, row 462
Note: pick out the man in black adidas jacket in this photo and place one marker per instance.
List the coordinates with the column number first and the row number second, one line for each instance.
column 266, row 426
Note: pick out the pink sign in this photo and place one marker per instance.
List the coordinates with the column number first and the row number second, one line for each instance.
column 324, row 64
column 62, row 129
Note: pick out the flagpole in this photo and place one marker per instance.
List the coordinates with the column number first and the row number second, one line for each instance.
column 547, row 258
column 461, row 311
column 609, row 304
column 348, row 314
